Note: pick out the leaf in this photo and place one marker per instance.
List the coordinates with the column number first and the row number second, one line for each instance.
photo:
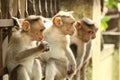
column 104, row 21
column 111, row 3
column 104, row 26
column 106, row 18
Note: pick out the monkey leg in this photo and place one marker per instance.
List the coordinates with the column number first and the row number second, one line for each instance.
column 37, row 70
column 19, row 73
column 83, row 72
column 50, row 70
column 77, row 75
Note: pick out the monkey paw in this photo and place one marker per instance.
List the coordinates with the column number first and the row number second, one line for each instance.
column 71, row 69
column 44, row 46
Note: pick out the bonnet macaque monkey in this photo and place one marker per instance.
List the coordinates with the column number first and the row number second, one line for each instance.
column 60, row 59
column 20, row 56
column 85, row 32
column 87, row 56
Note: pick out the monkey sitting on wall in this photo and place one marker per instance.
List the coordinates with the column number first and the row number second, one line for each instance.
column 81, row 42
column 20, row 56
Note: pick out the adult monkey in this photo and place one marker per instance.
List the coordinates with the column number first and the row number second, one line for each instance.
column 60, row 59
column 87, row 56
column 81, row 42
column 20, row 56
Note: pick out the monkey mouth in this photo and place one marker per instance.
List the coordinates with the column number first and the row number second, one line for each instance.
column 93, row 37
column 40, row 39
column 86, row 40
column 71, row 34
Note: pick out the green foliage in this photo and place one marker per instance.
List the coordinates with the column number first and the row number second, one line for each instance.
column 104, row 21
column 111, row 3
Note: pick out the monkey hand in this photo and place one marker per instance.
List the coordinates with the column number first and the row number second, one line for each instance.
column 71, row 69
column 44, row 46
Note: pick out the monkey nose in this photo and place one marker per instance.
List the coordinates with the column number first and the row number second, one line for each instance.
column 93, row 37
column 86, row 40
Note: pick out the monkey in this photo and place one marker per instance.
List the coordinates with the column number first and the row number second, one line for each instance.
column 81, row 42
column 20, row 56
column 87, row 57
column 60, row 61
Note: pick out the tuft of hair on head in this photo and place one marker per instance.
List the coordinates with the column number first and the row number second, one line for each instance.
column 33, row 18
column 87, row 21
column 63, row 14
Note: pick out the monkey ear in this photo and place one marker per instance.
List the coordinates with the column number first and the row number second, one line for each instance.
column 58, row 21
column 78, row 25
column 26, row 26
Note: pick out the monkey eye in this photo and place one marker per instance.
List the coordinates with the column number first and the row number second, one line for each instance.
column 41, row 30
column 90, row 32
column 72, row 23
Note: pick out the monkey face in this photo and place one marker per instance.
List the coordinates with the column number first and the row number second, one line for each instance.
column 37, row 30
column 89, row 35
column 68, row 26
column 85, row 35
